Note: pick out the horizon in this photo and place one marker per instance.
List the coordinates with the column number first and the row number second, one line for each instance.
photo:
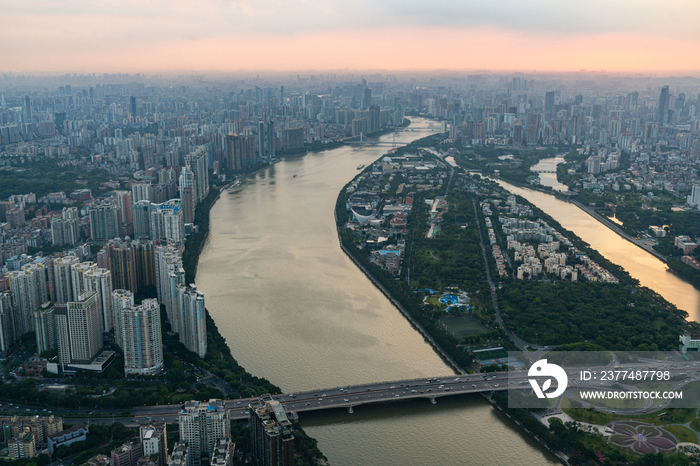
column 159, row 37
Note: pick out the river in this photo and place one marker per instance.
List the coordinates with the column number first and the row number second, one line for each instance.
column 294, row 309
column 650, row 271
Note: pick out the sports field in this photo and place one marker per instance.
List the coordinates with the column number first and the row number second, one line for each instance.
column 461, row 326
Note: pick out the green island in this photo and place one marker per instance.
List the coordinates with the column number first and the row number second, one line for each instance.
column 433, row 218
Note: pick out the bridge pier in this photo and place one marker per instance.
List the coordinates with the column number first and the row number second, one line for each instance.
column 350, row 410
column 433, row 401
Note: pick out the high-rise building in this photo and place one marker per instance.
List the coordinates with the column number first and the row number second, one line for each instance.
column 240, row 151
column 118, row 256
column 201, row 425
column 271, row 438
column 142, row 219
column 104, row 221
column 366, row 98
column 271, row 139
column 87, row 277
column 261, row 139
column 63, row 286
column 293, row 138
column 169, row 274
column 64, row 230
column 694, row 197
column 154, row 440
column 141, row 191
column 549, row 102
column 10, row 322
column 79, row 330
column 141, row 337
column 26, row 109
column 125, row 205
column 664, row 105
column 121, row 299
column 374, row 122
column 167, row 221
column 192, row 319
column 187, row 194
column 132, row 106
column 197, row 163
column 45, row 327
column 29, row 286
column 145, row 263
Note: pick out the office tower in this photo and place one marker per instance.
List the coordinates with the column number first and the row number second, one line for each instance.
column 187, row 194
column 104, row 221
column 45, row 327
column 167, row 222
column 64, row 230
column 121, row 299
column 141, row 337
column 79, row 330
column 141, row 191
column 240, row 151
column 664, row 104
column 26, row 109
column 201, row 425
column 142, row 219
column 517, row 132
column 10, row 322
column 549, row 102
column 374, row 122
column 633, row 102
column 30, row 290
column 63, row 287
column 281, row 95
column 366, row 98
column 575, row 127
column 132, row 106
column 87, row 277
column 197, row 163
column 169, row 274
column 271, row 438
column 154, row 440
column 261, row 139
column 145, row 263
column 192, row 319
column 119, row 257
column 271, row 139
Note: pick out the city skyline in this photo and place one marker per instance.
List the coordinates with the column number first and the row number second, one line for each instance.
column 213, row 35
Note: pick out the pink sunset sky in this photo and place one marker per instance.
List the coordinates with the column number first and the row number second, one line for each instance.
column 543, row 35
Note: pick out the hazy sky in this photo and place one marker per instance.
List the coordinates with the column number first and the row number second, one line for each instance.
column 154, row 35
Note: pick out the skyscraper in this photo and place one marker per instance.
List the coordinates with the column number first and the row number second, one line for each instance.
column 192, row 319
column 79, row 330
column 10, row 322
column 142, row 219
column 187, row 194
column 271, row 139
column 167, row 222
column 240, row 151
column 62, row 267
column 87, row 277
column 169, row 274
column 201, row 425
column 30, row 290
column 141, row 337
column 271, row 439
column 64, row 230
column 197, row 163
column 121, row 299
column 45, row 327
column 145, row 263
column 261, row 139
column 119, row 257
column 549, row 102
column 104, row 221
column 26, row 109
column 664, row 104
